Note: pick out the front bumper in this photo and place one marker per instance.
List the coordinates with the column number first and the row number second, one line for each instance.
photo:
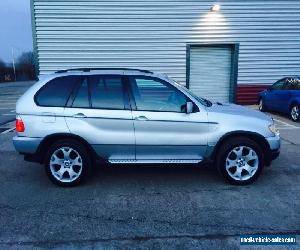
column 26, row 145
column 274, row 150
column 274, row 142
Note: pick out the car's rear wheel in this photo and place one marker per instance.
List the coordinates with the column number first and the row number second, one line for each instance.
column 67, row 163
column 240, row 160
column 295, row 112
column 261, row 105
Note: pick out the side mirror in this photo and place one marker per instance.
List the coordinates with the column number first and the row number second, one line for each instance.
column 189, row 107
column 269, row 89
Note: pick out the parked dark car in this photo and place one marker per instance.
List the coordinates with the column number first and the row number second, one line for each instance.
column 283, row 97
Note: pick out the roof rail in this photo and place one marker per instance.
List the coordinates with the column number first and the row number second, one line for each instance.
column 91, row 69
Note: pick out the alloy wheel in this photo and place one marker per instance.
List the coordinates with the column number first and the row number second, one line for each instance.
column 242, row 163
column 295, row 113
column 66, row 164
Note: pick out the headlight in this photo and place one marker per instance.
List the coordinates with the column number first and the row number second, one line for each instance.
column 273, row 129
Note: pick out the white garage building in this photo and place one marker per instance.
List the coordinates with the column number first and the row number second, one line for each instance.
column 241, row 47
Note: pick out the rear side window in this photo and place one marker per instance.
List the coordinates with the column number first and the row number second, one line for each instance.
column 56, row 92
column 107, row 92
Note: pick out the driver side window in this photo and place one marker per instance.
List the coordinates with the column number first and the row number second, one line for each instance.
column 152, row 94
column 278, row 85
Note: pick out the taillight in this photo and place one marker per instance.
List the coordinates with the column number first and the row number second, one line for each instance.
column 19, row 125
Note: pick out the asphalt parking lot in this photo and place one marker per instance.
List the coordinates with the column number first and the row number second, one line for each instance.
column 146, row 207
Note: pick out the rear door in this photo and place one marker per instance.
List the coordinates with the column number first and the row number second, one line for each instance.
column 163, row 130
column 99, row 112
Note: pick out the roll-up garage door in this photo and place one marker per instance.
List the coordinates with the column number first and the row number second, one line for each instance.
column 210, row 72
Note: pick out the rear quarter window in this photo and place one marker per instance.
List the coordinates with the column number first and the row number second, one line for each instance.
column 56, row 92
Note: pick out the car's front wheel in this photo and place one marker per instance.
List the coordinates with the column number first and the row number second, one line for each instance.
column 67, row 163
column 240, row 160
column 295, row 112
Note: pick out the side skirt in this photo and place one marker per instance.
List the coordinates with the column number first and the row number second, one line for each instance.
column 167, row 161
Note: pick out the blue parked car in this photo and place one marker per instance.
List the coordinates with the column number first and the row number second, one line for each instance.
column 283, row 97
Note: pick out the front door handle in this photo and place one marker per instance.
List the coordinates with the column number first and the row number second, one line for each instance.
column 141, row 118
column 79, row 115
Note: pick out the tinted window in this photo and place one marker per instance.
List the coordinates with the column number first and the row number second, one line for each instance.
column 56, row 92
column 155, row 95
column 292, row 84
column 278, row 85
column 107, row 92
column 82, row 97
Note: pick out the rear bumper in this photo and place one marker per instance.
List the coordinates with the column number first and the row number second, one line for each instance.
column 26, row 145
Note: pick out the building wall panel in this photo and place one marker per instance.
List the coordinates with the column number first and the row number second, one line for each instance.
column 152, row 34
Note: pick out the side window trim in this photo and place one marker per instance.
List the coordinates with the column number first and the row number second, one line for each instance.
column 133, row 101
column 130, row 102
column 75, row 92
column 285, row 84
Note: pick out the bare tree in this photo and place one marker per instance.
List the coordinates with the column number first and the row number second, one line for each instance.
column 2, row 64
column 2, row 70
column 26, row 58
column 25, row 66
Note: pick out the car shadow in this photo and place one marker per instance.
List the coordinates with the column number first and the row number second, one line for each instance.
column 148, row 173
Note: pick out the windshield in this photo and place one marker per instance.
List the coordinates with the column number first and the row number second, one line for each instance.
column 203, row 101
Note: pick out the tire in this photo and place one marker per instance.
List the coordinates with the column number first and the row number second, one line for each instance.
column 67, row 163
column 234, row 167
column 295, row 112
column 261, row 105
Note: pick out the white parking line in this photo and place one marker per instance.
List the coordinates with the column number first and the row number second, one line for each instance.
column 8, row 130
column 288, row 128
column 285, row 123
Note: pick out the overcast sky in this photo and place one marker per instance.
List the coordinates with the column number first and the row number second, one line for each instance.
column 15, row 28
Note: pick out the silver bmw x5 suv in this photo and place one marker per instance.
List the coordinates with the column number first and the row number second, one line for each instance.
column 73, row 119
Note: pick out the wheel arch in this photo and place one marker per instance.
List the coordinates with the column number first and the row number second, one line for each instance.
column 50, row 139
column 292, row 102
column 259, row 97
column 248, row 134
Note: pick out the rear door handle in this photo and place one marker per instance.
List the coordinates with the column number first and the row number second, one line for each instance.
column 141, row 118
column 79, row 115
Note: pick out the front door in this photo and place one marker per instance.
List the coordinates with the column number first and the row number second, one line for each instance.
column 100, row 114
column 163, row 130
column 274, row 96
